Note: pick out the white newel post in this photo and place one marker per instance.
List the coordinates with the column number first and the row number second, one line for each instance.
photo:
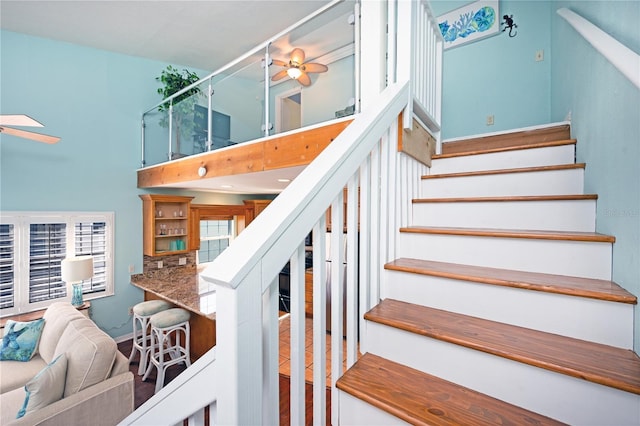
column 239, row 351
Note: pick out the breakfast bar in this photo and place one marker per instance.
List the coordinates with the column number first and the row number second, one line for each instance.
column 183, row 287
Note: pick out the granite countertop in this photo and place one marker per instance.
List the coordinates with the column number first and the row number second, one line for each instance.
column 182, row 286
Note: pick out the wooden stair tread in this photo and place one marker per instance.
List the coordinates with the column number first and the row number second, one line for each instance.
column 513, row 233
column 507, row 171
column 606, row 365
column 529, row 136
column 506, row 198
column 505, row 149
column 422, row 399
column 549, row 283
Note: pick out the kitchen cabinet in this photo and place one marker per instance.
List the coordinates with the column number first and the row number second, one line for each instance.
column 166, row 224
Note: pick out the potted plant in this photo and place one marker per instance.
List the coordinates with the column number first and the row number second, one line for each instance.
column 173, row 81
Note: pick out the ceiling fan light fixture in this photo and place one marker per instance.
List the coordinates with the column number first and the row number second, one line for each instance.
column 294, row 73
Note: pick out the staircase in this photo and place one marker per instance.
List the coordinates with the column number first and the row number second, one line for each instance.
column 499, row 308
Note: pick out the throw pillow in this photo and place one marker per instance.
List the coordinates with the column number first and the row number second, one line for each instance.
column 46, row 387
column 20, row 340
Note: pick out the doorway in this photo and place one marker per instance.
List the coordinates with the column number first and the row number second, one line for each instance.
column 288, row 110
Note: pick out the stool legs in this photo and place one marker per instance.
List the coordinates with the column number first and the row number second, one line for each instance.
column 161, row 346
column 141, row 343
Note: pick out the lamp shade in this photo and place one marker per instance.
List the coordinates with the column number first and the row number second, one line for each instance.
column 294, row 72
column 76, row 269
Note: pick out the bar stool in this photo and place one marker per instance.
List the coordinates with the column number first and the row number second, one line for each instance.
column 142, row 312
column 166, row 325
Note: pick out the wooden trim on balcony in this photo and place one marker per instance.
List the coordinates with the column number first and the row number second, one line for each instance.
column 297, row 149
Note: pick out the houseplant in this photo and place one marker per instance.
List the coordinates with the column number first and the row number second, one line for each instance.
column 174, row 80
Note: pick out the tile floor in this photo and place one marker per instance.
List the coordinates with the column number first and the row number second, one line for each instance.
column 285, row 339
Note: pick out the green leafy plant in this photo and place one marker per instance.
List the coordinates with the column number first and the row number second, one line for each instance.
column 174, row 80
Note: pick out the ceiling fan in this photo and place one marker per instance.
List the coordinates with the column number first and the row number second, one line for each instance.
column 297, row 69
column 26, row 121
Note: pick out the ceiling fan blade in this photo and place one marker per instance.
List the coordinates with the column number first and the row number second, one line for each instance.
column 19, row 120
column 297, row 56
column 314, row 67
column 29, row 135
column 279, row 63
column 304, row 79
column 279, row 75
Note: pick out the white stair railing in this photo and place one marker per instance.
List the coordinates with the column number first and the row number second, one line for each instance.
column 244, row 275
column 419, row 49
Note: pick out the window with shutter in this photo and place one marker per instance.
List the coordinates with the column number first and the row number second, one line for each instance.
column 91, row 239
column 47, row 248
column 32, row 247
column 7, row 268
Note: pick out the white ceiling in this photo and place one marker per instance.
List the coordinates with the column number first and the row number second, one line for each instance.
column 205, row 34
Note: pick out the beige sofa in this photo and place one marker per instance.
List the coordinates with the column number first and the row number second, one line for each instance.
column 99, row 389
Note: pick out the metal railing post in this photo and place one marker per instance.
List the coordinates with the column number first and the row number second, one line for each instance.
column 209, row 115
column 142, row 145
column 170, row 130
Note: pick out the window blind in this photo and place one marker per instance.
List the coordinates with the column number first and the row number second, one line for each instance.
column 7, row 268
column 32, row 247
column 47, row 248
column 90, row 239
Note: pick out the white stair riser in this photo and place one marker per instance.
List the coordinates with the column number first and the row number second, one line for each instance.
column 575, row 258
column 609, row 323
column 557, row 215
column 551, row 156
column 354, row 411
column 555, row 395
column 552, row 182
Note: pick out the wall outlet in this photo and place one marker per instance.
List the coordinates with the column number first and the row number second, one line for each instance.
column 539, row 55
column 489, row 120
column 160, row 264
column 182, row 261
column 132, row 269
column 130, row 310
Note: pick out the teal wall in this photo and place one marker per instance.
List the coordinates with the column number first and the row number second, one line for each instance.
column 605, row 110
column 93, row 100
column 498, row 75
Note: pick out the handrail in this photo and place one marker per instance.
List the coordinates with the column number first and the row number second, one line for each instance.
column 201, row 375
column 352, row 145
column 250, row 53
column 623, row 58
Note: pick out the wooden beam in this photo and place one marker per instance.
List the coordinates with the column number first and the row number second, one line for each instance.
column 296, row 149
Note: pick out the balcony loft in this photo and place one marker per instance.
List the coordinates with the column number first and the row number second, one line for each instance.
column 261, row 118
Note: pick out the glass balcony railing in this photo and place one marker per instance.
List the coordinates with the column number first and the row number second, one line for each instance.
column 311, row 79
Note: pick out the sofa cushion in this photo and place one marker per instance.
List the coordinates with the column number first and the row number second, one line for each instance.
column 15, row 374
column 56, row 318
column 46, row 387
column 20, row 340
column 90, row 354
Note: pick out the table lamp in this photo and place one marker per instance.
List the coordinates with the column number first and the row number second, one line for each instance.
column 74, row 271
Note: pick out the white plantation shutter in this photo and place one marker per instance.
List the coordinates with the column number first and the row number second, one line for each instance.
column 47, row 248
column 7, row 268
column 32, row 247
